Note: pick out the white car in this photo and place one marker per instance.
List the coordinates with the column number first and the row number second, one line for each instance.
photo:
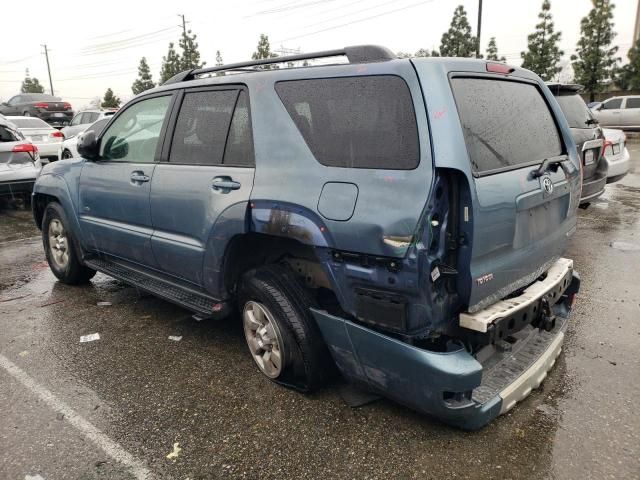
column 83, row 119
column 41, row 134
column 19, row 161
column 69, row 147
column 616, row 154
column 619, row 112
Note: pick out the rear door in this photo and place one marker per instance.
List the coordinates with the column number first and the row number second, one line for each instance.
column 520, row 221
column 631, row 112
column 114, row 191
column 209, row 169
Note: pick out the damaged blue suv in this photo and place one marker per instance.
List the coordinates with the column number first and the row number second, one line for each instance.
column 401, row 219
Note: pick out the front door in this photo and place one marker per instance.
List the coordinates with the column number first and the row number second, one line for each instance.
column 610, row 113
column 114, row 191
column 209, row 171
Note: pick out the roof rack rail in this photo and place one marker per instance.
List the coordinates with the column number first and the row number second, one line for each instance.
column 355, row 54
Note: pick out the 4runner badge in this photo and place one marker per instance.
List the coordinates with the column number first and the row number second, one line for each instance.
column 484, row 279
column 547, row 185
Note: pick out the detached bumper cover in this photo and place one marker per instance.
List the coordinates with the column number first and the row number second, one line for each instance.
column 428, row 381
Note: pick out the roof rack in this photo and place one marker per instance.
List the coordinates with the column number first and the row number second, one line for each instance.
column 355, row 54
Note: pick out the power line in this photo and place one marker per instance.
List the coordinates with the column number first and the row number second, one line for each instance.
column 124, row 41
column 356, row 21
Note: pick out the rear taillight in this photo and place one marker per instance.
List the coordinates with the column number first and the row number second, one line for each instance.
column 57, row 134
column 606, row 144
column 66, row 105
column 25, row 147
column 41, row 105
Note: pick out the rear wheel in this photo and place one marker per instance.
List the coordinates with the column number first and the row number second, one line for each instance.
column 60, row 247
column 66, row 154
column 26, row 114
column 281, row 334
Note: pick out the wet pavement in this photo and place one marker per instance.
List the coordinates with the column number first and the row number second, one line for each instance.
column 115, row 407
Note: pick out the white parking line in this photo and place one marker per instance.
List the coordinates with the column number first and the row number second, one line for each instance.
column 111, row 448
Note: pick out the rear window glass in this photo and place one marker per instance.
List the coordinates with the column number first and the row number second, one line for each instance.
column 201, row 129
column 633, row 102
column 29, row 123
column 575, row 110
column 356, row 122
column 32, row 97
column 505, row 123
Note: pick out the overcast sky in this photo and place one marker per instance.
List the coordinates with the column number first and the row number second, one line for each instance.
column 96, row 46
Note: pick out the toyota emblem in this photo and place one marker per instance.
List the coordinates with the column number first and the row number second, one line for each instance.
column 547, row 185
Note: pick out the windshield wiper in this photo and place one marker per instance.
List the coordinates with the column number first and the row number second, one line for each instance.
column 549, row 162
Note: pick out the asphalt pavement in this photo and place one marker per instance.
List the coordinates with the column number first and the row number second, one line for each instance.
column 136, row 404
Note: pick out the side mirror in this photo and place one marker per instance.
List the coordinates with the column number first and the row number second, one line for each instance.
column 5, row 104
column 88, row 146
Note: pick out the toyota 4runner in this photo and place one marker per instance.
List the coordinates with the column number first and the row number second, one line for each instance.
column 401, row 219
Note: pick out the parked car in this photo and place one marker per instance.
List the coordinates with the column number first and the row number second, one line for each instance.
column 85, row 118
column 19, row 161
column 403, row 219
column 588, row 137
column 51, row 109
column 69, row 146
column 619, row 112
column 594, row 105
column 616, row 154
column 41, row 134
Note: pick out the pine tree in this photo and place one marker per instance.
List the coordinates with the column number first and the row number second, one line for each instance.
column 144, row 81
column 458, row 41
column 543, row 53
column 423, row 52
column 171, row 64
column 31, row 85
column 110, row 100
column 263, row 51
column 492, row 51
column 628, row 76
column 190, row 58
column 595, row 59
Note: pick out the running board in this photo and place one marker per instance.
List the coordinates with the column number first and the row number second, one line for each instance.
column 187, row 298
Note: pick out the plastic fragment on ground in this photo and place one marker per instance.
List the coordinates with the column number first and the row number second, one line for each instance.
column 173, row 455
column 104, row 304
column 175, row 338
column 89, row 338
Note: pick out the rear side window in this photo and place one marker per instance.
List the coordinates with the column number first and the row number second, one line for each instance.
column 239, row 149
column 7, row 135
column 575, row 110
column 633, row 102
column 201, row 129
column 505, row 123
column 355, row 122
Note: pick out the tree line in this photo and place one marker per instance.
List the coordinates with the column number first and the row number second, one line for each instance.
column 594, row 62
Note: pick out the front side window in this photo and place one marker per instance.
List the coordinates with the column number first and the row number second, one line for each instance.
column 613, row 104
column 202, row 126
column 239, row 149
column 633, row 102
column 133, row 136
column 505, row 123
column 355, row 122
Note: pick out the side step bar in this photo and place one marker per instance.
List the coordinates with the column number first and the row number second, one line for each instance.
column 187, row 298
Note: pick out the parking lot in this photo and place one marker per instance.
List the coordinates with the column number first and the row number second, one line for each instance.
column 135, row 404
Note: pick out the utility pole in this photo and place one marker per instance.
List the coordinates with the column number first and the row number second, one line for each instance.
column 479, row 28
column 46, row 54
column 184, row 24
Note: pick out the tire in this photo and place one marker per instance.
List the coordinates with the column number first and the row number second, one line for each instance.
column 304, row 358
column 66, row 154
column 61, row 248
column 26, row 114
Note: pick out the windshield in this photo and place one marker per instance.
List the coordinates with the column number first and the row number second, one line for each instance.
column 29, row 123
column 575, row 110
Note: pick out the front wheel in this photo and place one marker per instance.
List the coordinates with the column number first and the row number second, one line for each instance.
column 60, row 247
column 283, row 339
column 66, row 154
column 26, row 114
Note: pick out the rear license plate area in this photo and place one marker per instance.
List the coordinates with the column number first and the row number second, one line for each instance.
column 36, row 138
column 616, row 148
column 589, row 157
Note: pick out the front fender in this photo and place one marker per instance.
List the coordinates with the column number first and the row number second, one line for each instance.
column 56, row 186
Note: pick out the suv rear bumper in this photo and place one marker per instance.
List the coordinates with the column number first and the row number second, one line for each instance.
column 452, row 386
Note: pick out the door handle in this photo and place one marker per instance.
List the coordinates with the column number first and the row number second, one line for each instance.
column 139, row 177
column 225, row 184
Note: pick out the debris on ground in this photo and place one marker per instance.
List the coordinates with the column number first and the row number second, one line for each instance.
column 104, row 304
column 33, row 477
column 175, row 338
column 24, row 353
column 89, row 338
column 2, row 300
column 52, row 302
column 173, row 455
